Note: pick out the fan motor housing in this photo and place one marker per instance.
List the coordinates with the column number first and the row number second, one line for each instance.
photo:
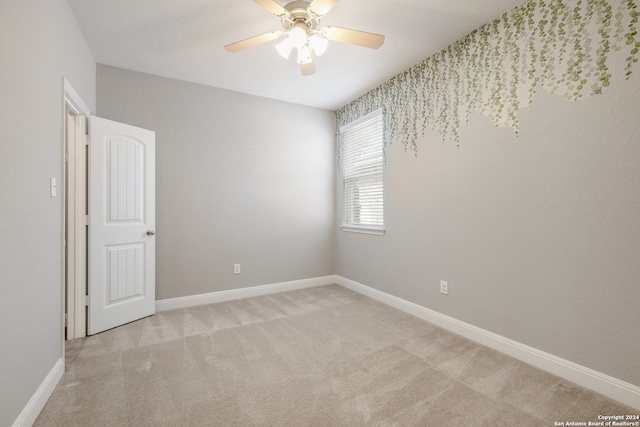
column 299, row 13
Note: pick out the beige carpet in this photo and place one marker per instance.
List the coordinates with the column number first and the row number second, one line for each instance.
column 323, row 356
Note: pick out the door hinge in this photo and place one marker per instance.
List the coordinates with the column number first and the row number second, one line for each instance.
column 86, row 300
column 86, row 220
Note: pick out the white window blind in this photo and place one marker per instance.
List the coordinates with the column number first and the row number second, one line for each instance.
column 362, row 174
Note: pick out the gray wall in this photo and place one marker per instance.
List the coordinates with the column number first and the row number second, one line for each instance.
column 538, row 235
column 40, row 42
column 240, row 179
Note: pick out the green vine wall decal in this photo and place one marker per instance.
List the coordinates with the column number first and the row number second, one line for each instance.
column 565, row 47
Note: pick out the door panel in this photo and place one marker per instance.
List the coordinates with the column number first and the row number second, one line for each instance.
column 124, row 272
column 121, row 224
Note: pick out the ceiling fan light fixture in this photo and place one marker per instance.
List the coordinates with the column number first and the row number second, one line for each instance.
column 304, row 55
column 298, row 35
column 300, row 21
column 284, row 47
column 318, row 43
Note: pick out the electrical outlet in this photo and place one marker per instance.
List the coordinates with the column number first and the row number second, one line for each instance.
column 444, row 287
column 236, row 268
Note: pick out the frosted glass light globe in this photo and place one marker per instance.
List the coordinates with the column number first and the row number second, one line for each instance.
column 304, row 55
column 298, row 36
column 284, row 48
column 318, row 44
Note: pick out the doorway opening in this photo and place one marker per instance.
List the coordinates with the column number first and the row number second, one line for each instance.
column 108, row 244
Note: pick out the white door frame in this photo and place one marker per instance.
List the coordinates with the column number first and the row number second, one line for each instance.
column 74, row 217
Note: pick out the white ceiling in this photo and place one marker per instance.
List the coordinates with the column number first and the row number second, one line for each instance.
column 184, row 39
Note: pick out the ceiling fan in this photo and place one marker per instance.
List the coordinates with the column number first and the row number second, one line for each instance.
column 301, row 30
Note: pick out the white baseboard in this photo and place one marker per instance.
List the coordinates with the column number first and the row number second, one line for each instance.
column 606, row 385
column 31, row 411
column 233, row 294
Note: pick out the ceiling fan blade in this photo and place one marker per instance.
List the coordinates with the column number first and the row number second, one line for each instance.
column 321, row 7
column 272, row 7
column 308, row 69
column 252, row 41
column 360, row 38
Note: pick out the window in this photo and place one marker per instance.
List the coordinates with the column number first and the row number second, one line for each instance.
column 362, row 184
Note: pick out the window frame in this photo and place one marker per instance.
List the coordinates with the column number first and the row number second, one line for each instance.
column 376, row 229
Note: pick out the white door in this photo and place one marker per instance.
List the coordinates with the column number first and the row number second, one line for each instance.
column 121, row 224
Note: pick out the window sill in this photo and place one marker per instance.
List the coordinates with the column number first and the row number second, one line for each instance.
column 378, row 231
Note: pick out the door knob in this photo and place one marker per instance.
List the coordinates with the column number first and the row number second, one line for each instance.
column 151, row 232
